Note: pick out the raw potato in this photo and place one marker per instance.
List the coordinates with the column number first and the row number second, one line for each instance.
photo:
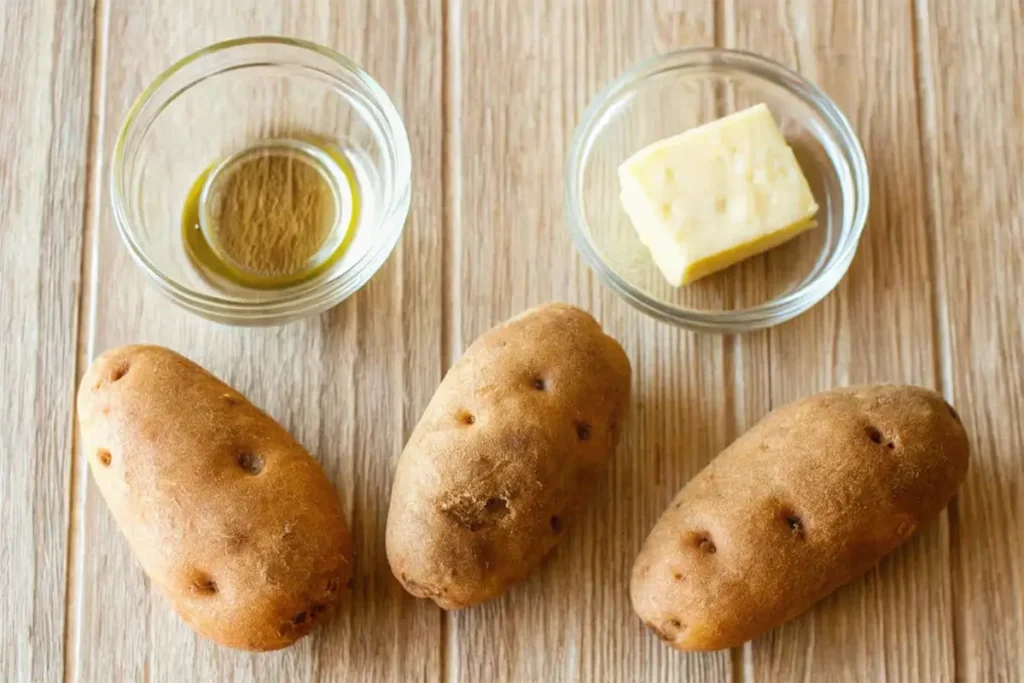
column 506, row 452
column 810, row 498
column 233, row 521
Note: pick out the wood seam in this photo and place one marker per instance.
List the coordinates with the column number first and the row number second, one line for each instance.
column 927, row 131
column 450, row 244
column 85, row 332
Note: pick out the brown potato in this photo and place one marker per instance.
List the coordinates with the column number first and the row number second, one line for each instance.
column 505, row 454
column 233, row 521
column 808, row 499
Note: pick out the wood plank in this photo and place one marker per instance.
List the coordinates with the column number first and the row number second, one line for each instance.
column 972, row 65
column 572, row 620
column 45, row 68
column 896, row 623
column 342, row 383
column 521, row 74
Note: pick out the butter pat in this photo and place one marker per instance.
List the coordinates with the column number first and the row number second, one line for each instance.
column 716, row 194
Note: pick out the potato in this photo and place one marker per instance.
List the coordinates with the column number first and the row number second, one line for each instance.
column 233, row 521
column 808, row 499
column 506, row 452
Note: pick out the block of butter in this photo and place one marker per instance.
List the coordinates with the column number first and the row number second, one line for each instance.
column 716, row 194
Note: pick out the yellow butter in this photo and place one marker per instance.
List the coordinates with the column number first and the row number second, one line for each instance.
column 716, row 194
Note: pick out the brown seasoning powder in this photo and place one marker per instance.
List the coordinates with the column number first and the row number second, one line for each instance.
column 272, row 214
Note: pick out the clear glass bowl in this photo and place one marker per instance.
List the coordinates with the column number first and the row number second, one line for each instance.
column 234, row 94
column 669, row 94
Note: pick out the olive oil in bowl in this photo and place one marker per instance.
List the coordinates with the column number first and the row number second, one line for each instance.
column 271, row 216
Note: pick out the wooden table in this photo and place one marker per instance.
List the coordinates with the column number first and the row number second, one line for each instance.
column 491, row 91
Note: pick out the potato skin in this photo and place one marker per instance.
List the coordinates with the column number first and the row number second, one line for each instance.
column 808, row 499
column 233, row 521
column 506, row 452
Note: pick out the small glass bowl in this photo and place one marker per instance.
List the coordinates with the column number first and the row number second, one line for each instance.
column 225, row 98
column 668, row 94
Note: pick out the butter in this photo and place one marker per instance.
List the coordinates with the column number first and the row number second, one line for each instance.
column 716, row 194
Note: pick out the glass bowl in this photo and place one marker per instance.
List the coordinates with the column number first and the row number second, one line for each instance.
column 240, row 94
column 668, row 94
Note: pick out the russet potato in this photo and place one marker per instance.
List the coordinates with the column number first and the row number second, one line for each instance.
column 505, row 454
column 233, row 521
column 807, row 500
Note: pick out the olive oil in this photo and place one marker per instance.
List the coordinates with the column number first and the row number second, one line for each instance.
column 274, row 215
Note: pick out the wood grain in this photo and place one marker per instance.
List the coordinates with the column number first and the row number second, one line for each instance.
column 45, row 58
column 877, row 326
column 972, row 64
column 572, row 619
column 348, row 384
column 490, row 92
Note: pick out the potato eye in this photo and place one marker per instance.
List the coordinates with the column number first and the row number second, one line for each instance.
column 583, row 431
column 874, row 434
column 250, row 462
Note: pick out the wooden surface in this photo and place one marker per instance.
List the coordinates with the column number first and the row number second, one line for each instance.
column 490, row 92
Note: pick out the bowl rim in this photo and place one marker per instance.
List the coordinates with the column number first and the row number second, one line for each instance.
column 304, row 301
column 766, row 314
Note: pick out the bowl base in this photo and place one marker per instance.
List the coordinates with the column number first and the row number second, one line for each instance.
column 271, row 216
